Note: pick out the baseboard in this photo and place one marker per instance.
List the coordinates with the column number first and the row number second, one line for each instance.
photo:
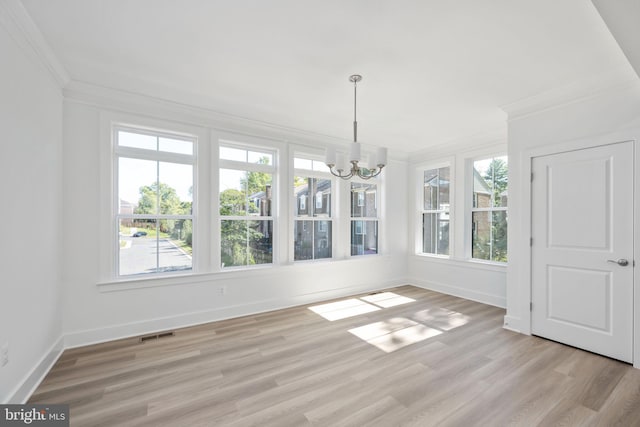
column 23, row 391
column 495, row 300
column 110, row 333
column 512, row 323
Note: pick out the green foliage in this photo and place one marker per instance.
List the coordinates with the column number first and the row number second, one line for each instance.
column 160, row 198
column 167, row 197
column 240, row 241
column 493, row 245
column 496, row 177
column 232, row 202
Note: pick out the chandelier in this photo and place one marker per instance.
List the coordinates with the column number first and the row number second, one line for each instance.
column 355, row 154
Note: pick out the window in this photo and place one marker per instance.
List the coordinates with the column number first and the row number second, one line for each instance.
column 313, row 222
column 489, row 211
column 154, row 210
column 246, row 198
column 364, row 219
column 435, row 211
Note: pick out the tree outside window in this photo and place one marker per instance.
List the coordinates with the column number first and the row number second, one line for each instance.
column 489, row 211
column 155, row 202
column 246, row 198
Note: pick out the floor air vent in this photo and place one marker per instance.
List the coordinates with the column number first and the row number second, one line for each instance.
column 156, row 336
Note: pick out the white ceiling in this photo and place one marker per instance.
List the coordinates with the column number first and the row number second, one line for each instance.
column 434, row 71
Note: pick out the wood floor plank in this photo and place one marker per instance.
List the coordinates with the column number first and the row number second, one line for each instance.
column 294, row 367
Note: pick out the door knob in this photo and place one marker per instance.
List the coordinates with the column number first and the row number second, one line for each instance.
column 621, row 262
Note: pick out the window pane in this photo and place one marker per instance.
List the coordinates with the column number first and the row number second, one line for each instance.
column 175, row 188
column 175, row 146
column 499, row 236
column 233, row 243
column 490, row 182
column 260, row 158
column 301, row 189
column 322, row 198
column 259, row 189
column 303, row 243
column 233, row 192
column 260, row 244
column 137, row 140
column 174, row 245
column 481, row 235
column 435, row 228
column 228, row 153
column 320, row 166
column 246, row 242
column 364, row 237
column 443, row 188
column 138, row 246
column 322, row 239
column 137, row 184
column 363, row 200
column 302, row 163
column 431, row 189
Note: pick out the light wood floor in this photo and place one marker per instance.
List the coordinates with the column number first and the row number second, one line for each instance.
column 294, row 367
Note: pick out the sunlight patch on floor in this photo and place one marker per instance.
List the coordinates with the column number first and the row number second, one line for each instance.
column 355, row 306
column 393, row 334
column 387, row 299
column 343, row 309
column 441, row 318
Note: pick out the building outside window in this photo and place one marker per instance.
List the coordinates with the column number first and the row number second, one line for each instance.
column 436, row 211
column 364, row 219
column 246, row 196
column 489, row 211
column 154, row 210
column 312, row 221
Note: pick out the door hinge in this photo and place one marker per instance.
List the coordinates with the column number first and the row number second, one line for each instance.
column 530, row 306
column 531, row 241
column 531, row 176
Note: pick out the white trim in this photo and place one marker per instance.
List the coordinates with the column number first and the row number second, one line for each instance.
column 512, row 323
column 495, row 300
column 16, row 20
column 500, row 267
column 574, row 92
column 94, row 336
column 36, row 375
column 110, row 122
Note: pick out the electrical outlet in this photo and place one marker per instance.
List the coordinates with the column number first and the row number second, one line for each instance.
column 4, row 354
column 222, row 290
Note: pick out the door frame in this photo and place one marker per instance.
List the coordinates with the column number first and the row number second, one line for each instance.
column 524, row 246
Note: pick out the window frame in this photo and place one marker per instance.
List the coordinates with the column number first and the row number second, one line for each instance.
column 249, row 144
column 421, row 210
column 110, row 153
column 362, row 219
column 471, row 201
column 311, row 202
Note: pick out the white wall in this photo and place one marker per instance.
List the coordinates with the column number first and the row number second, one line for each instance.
column 458, row 274
column 96, row 313
column 576, row 122
column 30, row 253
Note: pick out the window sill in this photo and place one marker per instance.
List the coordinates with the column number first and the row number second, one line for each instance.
column 466, row 263
column 181, row 279
column 229, row 273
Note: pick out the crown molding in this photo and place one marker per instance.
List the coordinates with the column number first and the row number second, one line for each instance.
column 107, row 98
column 574, row 92
column 16, row 20
column 495, row 139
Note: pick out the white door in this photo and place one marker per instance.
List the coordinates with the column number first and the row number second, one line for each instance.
column 582, row 249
